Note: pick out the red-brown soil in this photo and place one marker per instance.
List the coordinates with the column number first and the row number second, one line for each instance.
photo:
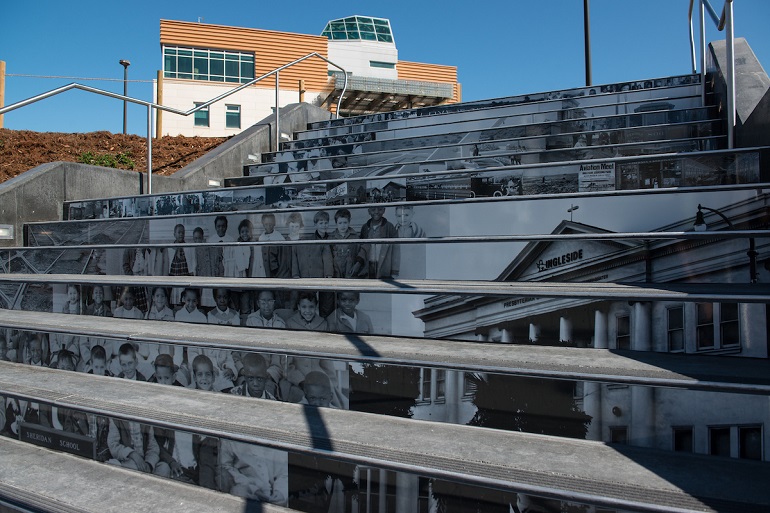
column 21, row 150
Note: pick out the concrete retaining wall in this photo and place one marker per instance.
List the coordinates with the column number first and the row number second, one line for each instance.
column 39, row 194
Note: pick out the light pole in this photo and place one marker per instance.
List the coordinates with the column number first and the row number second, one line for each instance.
column 125, row 65
column 700, row 226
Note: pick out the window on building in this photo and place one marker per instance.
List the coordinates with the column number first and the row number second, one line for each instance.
column 704, row 334
column 425, row 378
column 729, row 333
column 233, row 116
column 440, row 385
column 469, row 385
column 719, row 441
column 619, row 434
column 683, row 439
column 676, row 329
column 380, row 64
column 208, row 65
column 359, row 28
column 201, row 116
column 623, row 332
column 718, row 326
column 750, row 441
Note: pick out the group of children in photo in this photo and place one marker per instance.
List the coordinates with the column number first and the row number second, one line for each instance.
column 238, row 468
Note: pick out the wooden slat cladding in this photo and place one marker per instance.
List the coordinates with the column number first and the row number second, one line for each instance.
column 271, row 49
column 430, row 73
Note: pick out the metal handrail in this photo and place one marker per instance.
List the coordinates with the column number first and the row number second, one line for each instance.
column 721, row 22
column 151, row 105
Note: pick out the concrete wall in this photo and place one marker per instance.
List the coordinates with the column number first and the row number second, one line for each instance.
column 39, row 194
column 752, row 92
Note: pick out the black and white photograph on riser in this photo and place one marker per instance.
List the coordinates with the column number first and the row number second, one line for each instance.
column 604, row 175
column 418, row 315
column 634, row 89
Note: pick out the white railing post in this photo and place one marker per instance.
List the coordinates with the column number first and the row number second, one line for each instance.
column 702, row 19
column 730, row 79
column 277, row 117
column 149, row 149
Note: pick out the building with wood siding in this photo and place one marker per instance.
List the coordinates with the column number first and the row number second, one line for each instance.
column 202, row 61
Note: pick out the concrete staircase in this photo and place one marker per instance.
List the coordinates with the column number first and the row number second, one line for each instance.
column 511, row 311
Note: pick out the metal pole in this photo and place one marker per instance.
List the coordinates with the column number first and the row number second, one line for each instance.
column 125, row 65
column 277, row 120
column 730, row 75
column 587, row 38
column 149, row 149
column 2, row 89
column 702, row 18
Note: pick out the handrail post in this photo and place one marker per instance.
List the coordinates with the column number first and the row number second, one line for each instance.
column 730, row 79
column 277, row 117
column 149, row 149
column 702, row 18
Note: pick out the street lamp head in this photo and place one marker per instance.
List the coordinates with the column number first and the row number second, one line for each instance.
column 700, row 222
column 124, row 63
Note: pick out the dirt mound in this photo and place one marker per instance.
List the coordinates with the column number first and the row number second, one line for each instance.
column 21, row 150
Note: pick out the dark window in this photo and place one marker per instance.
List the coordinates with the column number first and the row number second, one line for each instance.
column 623, row 332
column 683, row 439
column 750, row 439
column 719, row 441
column 676, row 329
column 705, row 328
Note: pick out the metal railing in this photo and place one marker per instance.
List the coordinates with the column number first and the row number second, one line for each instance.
column 721, row 22
column 151, row 105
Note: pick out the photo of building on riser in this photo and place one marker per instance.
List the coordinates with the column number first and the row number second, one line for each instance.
column 271, row 254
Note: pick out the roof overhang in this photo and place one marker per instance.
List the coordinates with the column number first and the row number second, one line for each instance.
column 366, row 95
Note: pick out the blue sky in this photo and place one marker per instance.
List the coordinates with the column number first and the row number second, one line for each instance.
column 500, row 47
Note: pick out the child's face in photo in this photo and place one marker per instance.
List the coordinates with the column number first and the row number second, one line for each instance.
column 404, row 215
column 72, row 295
column 198, row 236
column 343, row 223
column 376, row 213
column 65, row 364
column 128, row 365
column 307, row 309
column 321, row 226
column 204, row 376
column 98, row 295
column 36, row 350
column 348, row 303
column 98, row 366
column 293, row 229
column 190, row 301
column 159, row 299
column 128, row 301
column 179, row 234
column 268, row 223
column 164, row 375
column 266, row 304
column 222, row 299
column 317, row 395
column 221, row 227
column 245, row 233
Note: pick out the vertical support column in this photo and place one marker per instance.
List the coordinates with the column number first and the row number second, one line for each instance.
column 730, row 79
column 453, row 391
column 641, row 335
column 534, row 332
column 592, row 405
column 480, row 337
column 506, row 336
column 601, row 340
column 277, row 120
column 149, row 149
column 2, row 89
column 382, row 494
column 407, row 493
column 159, row 101
column 301, row 91
column 565, row 330
column 642, row 429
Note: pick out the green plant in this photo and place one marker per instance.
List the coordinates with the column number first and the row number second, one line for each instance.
column 121, row 160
